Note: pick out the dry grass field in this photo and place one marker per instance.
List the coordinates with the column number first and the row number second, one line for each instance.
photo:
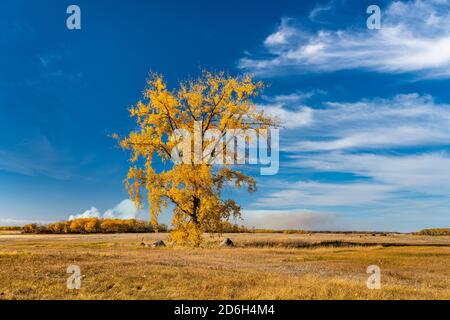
column 261, row 266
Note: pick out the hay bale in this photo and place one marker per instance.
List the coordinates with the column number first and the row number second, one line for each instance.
column 158, row 243
column 226, row 243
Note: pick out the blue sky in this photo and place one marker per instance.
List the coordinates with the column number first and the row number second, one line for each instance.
column 367, row 112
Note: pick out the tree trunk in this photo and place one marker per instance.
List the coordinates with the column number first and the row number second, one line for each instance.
column 196, row 205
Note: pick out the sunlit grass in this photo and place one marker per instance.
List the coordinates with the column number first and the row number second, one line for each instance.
column 116, row 267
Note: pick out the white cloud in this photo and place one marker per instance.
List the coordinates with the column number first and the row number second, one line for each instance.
column 415, row 37
column 282, row 35
column 319, row 9
column 379, row 138
column 90, row 213
column 425, row 173
column 295, row 118
column 289, row 219
column 295, row 97
column 409, row 120
column 126, row 209
column 313, row 193
column 290, row 108
column 370, row 143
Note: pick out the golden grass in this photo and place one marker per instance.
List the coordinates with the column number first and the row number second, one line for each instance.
column 262, row 266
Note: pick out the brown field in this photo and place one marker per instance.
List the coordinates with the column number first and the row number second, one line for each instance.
column 261, row 266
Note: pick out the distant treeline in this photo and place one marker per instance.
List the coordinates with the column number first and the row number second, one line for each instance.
column 96, row 225
column 228, row 227
column 10, row 228
column 93, row 225
column 434, row 232
column 286, row 231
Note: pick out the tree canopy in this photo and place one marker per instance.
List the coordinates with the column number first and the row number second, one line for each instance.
column 212, row 103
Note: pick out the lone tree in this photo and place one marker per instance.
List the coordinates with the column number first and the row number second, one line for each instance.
column 214, row 102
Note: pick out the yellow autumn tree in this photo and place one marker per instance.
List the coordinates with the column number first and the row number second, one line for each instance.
column 214, row 102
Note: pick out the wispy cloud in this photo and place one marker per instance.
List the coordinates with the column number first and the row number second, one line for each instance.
column 290, row 109
column 36, row 156
column 384, row 158
column 409, row 120
column 321, row 8
column 415, row 37
column 295, row 118
column 295, row 97
column 426, row 173
column 313, row 193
